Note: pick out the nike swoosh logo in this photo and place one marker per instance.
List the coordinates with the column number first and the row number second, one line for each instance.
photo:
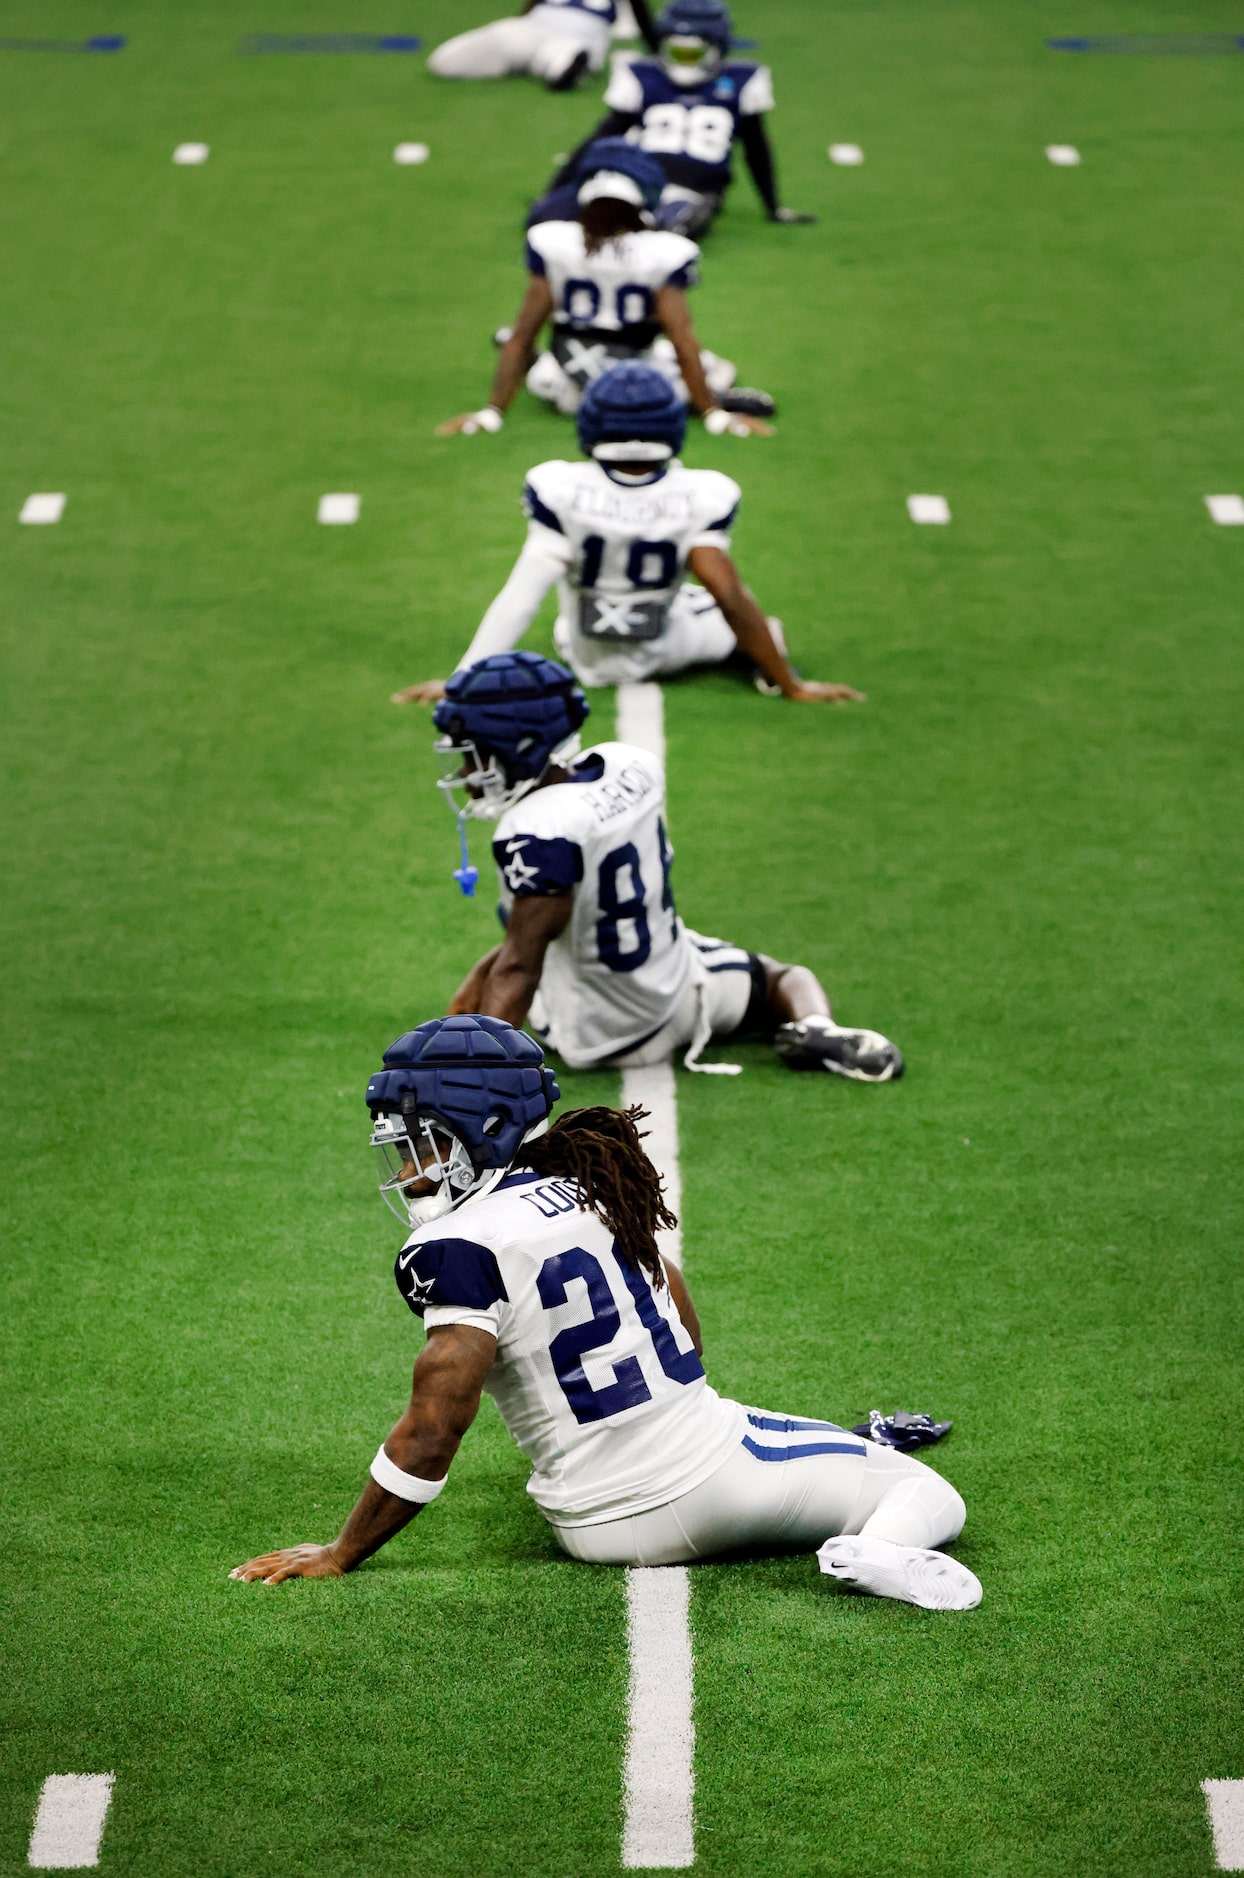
column 402, row 1263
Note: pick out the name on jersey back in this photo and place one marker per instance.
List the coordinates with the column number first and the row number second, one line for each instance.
column 637, row 508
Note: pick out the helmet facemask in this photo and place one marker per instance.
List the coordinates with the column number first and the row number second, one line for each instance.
column 487, row 789
column 413, row 1148
column 688, row 59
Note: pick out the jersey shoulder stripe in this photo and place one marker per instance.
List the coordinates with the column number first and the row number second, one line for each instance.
column 533, row 864
column 537, row 510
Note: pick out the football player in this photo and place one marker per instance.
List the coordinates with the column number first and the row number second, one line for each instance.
column 613, row 287
column 532, row 1260
column 687, row 106
column 555, row 40
column 594, row 949
column 616, row 535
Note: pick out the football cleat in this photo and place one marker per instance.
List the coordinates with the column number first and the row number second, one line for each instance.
column 819, row 1043
column 747, row 401
column 901, row 1430
column 572, row 74
column 909, row 1573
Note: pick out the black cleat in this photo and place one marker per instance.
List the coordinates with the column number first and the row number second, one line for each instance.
column 819, row 1043
column 572, row 74
column 747, row 402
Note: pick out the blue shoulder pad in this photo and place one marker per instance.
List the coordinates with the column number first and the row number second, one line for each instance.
column 449, row 1271
column 531, row 865
column 534, row 261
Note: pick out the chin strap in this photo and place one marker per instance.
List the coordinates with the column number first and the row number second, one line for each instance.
column 466, row 875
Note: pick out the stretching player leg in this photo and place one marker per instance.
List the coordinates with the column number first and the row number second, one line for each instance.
column 492, row 51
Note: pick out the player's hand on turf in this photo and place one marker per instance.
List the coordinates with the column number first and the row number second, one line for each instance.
column 471, row 423
column 810, row 691
column 428, row 692
column 453, row 425
column 296, row 1561
column 793, row 215
column 743, row 426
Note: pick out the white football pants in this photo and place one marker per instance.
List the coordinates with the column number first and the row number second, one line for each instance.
column 549, row 380
column 542, row 43
column 697, row 634
column 799, row 1501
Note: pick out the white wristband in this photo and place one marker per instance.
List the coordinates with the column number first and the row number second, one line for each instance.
column 489, row 418
column 388, row 1474
column 716, row 421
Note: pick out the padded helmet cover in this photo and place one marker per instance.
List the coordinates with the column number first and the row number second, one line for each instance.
column 697, row 19
column 481, row 1078
column 631, row 403
column 515, row 705
column 615, row 153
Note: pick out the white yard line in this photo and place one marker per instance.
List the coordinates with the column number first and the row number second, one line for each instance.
column 659, row 1777
column 1225, row 1800
column 70, row 1821
column 660, row 1744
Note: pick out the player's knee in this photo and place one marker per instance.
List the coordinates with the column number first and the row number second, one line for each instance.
column 953, row 1515
column 547, row 380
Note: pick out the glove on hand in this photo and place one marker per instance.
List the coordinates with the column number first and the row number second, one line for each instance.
column 901, row 1430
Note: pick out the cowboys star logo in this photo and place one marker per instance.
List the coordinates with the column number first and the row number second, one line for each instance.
column 518, row 874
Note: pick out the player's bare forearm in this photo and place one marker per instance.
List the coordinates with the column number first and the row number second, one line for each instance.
column 512, row 366
column 444, row 1401
column 747, row 622
column 469, row 992
column 686, row 1309
column 507, row 990
column 675, row 317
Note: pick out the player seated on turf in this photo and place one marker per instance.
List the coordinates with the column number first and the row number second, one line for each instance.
column 687, row 106
column 555, row 40
column 613, row 287
column 594, row 949
column 534, row 1265
column 616, row 535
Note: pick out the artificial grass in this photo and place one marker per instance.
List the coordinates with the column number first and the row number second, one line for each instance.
column 228, row 888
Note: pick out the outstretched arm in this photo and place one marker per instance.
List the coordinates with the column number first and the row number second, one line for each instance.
column 643, row 21
column 509, row 976
column 509, row 616
column 756, row 148
column 675, row 317
column 512, row 363
column 444, row 1401
column 750, row 627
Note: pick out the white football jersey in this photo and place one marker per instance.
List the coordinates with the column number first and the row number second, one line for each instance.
column 615, row 289
column 595, row 1374
column 624, row 546
column 614, row 976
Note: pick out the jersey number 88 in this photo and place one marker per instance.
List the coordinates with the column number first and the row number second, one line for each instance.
column 701, row 131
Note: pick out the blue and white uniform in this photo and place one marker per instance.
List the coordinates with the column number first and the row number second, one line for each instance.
column 604, row 308
column 690, row 128
column 543, row 42
column 635, row 1458
column 617, row 552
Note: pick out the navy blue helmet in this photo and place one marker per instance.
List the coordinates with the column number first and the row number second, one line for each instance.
column 624, row 159
column 689, row 20
column 631, row 404
column 508, row 715
column 475, row 1080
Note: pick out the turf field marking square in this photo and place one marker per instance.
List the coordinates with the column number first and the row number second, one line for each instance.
column 848, row 156
column 42, row 509
column 192, row 153
column 69, row 1822
column 1063, row 156
column 338, row 509
column 1225, row 1801
column 1228, row 511
column 929, row 509
column 411, row 153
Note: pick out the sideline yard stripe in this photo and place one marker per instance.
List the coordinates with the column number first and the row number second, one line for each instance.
column 659, row 1774
column 192, row 153
column 1227, row 511
column 70, row 1821
column 411, row 153
column 934, row 509
column 846, row 155
column 1225, row 1800
column 660, row 1745
column 338, row 510
column 43, row 509
column 1063, row 156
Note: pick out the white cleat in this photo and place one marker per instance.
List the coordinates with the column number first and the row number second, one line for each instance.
column 819, row 1043
column 906, row 1572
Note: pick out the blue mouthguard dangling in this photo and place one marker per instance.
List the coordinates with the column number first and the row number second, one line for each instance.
column 466, row 875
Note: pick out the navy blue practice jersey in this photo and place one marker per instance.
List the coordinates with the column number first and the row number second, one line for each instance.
column 690, row 128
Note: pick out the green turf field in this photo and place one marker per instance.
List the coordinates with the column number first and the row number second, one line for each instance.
column 227, row 888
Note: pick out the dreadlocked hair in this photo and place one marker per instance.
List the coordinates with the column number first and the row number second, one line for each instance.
column 599, row 1150
column 607, row 219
